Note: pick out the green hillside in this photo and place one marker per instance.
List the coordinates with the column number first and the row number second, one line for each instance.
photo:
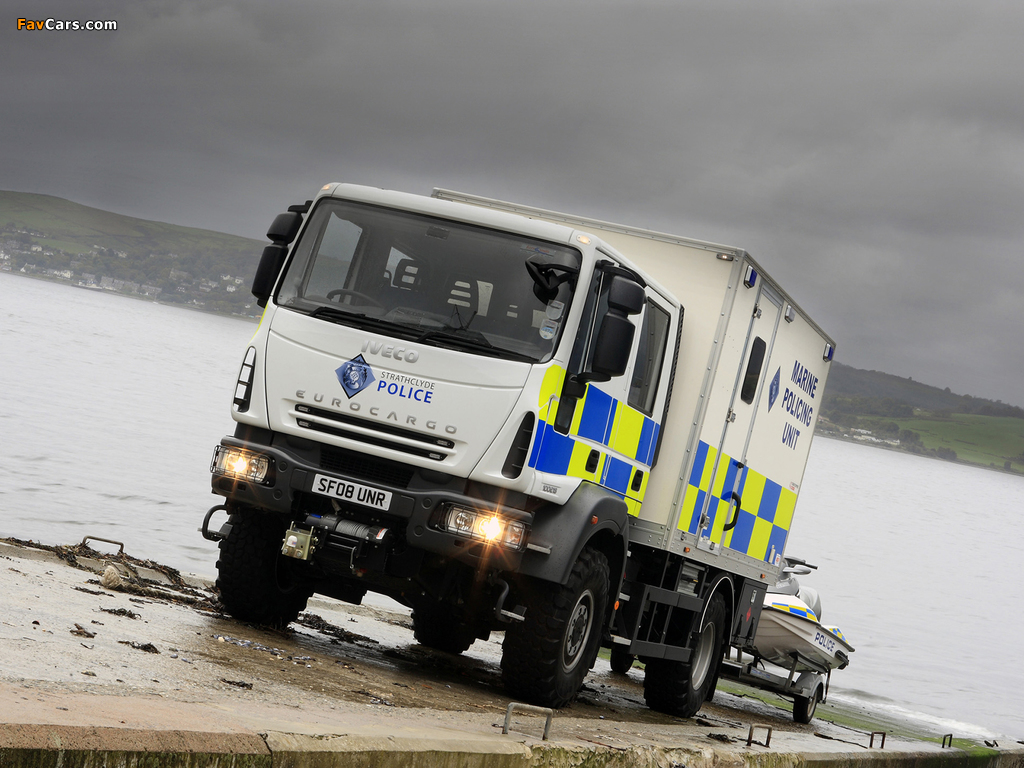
column 881, row 409
column 51, row 237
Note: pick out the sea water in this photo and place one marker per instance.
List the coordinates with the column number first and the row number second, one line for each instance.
column 110, row 408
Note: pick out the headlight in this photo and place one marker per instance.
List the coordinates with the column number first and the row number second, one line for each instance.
column 483, row 526
column 243, row 465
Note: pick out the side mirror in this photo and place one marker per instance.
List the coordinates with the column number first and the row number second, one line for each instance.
column 615, row 339
column 285, row 228
column 267, row 272
column 614, row 343
column 625, row 296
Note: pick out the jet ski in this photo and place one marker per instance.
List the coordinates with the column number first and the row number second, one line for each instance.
column 790, row 635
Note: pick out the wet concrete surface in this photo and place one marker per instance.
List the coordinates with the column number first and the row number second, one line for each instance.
column 154, row 656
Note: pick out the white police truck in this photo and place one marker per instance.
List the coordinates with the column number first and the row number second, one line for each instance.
column 508, row 418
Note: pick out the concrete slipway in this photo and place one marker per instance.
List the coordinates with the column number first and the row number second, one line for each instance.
column 146, row 671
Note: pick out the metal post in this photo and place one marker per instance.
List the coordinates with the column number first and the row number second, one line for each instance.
column 767, row 738
column 529, row 708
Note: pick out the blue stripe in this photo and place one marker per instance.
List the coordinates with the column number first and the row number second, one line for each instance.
column 777, row 539
column 698, row 464
column 617, row 474
column 769, row 501
column 595, row 422
column 643, row 450
column 695, row 518
column 554, row 453
column 730, row 478
column 742, row 532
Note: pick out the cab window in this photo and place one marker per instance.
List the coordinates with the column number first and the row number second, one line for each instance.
column 651, row 343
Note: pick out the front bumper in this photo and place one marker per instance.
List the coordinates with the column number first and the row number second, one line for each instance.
column 306, row 482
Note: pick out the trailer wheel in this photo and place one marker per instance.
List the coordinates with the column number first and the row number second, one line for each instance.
column 804, row 706
column 436, row 626
column 621, row 660
column 257, row 583
column 546, row 656
column 680, row 688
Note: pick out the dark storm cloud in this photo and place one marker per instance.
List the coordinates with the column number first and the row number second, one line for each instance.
column 869, row 154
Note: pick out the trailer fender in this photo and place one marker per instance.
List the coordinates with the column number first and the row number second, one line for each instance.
column 592, row 514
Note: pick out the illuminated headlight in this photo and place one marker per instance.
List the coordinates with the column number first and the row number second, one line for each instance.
column 483, row 526
column 243, row 465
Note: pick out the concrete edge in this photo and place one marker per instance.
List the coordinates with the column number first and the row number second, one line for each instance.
column 108, row 739
column 41, row 746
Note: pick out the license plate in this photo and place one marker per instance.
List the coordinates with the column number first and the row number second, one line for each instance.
column 352, row 492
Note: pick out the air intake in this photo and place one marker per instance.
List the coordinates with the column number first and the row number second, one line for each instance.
column 516, row 459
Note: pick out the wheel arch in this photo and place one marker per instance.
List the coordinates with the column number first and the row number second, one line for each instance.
column 721, row 584
column 593, row 516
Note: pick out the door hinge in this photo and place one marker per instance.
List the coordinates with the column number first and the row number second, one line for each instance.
column 731, row 416
column 757, row 311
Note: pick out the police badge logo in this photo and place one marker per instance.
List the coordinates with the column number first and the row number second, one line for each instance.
column 354, row 376
column 773, row 389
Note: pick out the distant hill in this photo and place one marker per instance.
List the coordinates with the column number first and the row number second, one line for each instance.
column 881, row 409
column 56, row 238
column 874, row 393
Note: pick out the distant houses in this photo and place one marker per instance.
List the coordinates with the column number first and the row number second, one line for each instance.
column 150, row 274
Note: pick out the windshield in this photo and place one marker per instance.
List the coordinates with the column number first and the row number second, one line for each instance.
column 436, row 281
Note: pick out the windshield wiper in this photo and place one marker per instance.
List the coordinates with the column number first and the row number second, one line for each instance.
column 467, row 339
column 362, row 320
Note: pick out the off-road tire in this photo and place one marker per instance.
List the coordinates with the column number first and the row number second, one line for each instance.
column 680, row 688
column 436, row 626
column 256, row 582
column 546, row 656
column 621, row 660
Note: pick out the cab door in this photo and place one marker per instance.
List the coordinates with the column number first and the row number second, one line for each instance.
column 614, row 425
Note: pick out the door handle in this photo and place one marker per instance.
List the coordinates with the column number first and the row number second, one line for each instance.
column 736, row 517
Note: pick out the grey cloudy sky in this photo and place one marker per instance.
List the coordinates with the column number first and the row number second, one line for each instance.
column 869, row 154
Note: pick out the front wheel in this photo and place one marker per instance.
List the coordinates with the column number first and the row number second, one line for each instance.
column 546, row 656
column 679, row 688
column 256, row 582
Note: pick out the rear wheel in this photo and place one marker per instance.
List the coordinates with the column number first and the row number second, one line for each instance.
column 804, row 706
column 546, row 656
column 256, row 582
column 436, row 626
column 679, row 688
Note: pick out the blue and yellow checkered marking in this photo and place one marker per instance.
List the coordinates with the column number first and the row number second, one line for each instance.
column 797, row 610
column 765, row 514
column 837, row 632
column 599, row 420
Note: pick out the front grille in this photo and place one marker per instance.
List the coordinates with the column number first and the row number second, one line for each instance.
column 365, row 467
column 412, row 443
column 388, row 429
